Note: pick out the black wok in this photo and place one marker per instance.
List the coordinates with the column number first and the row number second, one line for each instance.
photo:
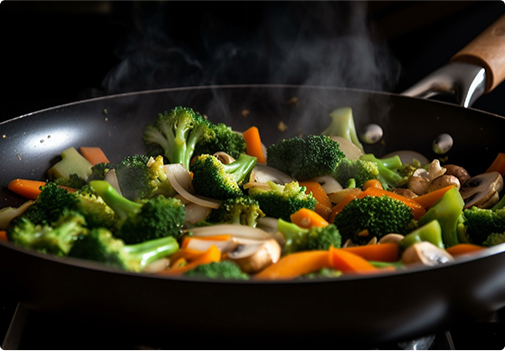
column 354, row 310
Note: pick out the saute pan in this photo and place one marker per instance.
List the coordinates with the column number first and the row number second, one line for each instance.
column 352, row 310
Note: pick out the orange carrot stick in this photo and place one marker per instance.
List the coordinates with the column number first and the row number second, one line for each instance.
column 323, row 205
column 213, row 254
column 253, row 144
column 3, row 235
column 462, row 249
column 306, row 218
column 387, row 252
column 296, row 264
column 429, row 199
column 374, row 183
column 348, row 262
column 94, row 155
column 29, row 188
column 498, row 164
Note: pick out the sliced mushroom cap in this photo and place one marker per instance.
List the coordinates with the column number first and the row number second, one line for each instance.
column 482, row 190
column 419, row 183
column 391, row 238
column 443, row 181
column 457, row 171
column 263, row 173
column 224, row 158
column 426, row 253
column 253, row 258
column 405, row 192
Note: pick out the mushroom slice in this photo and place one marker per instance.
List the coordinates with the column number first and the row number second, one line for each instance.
column 435, row 170
column 254, row 257
column 443, row 181
column 457, row 171
column 426, row 253
column 262, row 174
column 405, row 192
column 224, row 158
column 391, row 238
column 419, row 182
column 482, row 190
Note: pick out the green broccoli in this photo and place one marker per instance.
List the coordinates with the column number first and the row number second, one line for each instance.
column 449, row 213
column 239, row 210
column 280, row 201
column 218, row 270
column 359, row 170
column 363, row 218
column 406, row 171
column 305, row 158
column 388, row 175
column 302, row 239
column 99, row 171
column 225, row 140
column 494, row 239
column 481, row 223
column 96, row 212
column 137, row 222
column 72, row 181
column 178, row 132
column 55, row 238
column 213, row 179
column 342, row 125
column 101, row 246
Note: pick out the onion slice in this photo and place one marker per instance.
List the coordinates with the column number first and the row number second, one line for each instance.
column 236, row 230
column 178, row 176
column 328, row 183
column 196, row 213
column 263, row 173
column 111, row 178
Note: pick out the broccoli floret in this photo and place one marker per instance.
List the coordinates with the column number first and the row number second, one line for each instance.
column 494, row 239
column 305, row 158
column 224, row 140
column 342, row 125
column 55, row 238
column 239, row 210
column 217, row 270
column 363, row 218
column 302, row 239
column 72, row 181
column 406, row 171
column 216, row 180
column 449, row 213
column 101, row 246
column 480, row 223
column 53, row 201
column 99, row 171
column 280, row 201
column 178, row 132
column 359, row 170
column 388, row 175
column 136, row 222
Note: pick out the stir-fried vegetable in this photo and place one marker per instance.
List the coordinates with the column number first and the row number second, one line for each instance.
column 207, row 202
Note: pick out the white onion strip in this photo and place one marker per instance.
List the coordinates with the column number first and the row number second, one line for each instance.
column 111, row 178
column 196, row 213
column 328, row 183
column 177, row 174
column 236, row 230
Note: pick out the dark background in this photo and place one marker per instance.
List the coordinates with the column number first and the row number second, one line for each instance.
column 59, row 52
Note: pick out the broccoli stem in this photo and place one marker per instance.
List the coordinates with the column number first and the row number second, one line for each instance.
column 342, row 125
column 293, row 235
column 239, row 169
column 386, row 168
column 151, row 250
column 121, row 205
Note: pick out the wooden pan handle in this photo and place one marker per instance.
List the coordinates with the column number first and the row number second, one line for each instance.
column 488, row 51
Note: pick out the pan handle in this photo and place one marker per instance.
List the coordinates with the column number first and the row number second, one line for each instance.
column 488, row 51
column 475, row 70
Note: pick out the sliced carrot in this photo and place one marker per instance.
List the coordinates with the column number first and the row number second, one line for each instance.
column 431, row 198
column 295, row 265
column 253, row 144
column 30, row 189
column 348, row 262
column 213, row 254
column 222, row 237
column 323, row 205
column 498, row 164
column 338, row 207
column 3, row 235
column 374, row 183
column 462, row 249
column 94, row 155
column 417, row 210
column 306, row 218
column 387, row 252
